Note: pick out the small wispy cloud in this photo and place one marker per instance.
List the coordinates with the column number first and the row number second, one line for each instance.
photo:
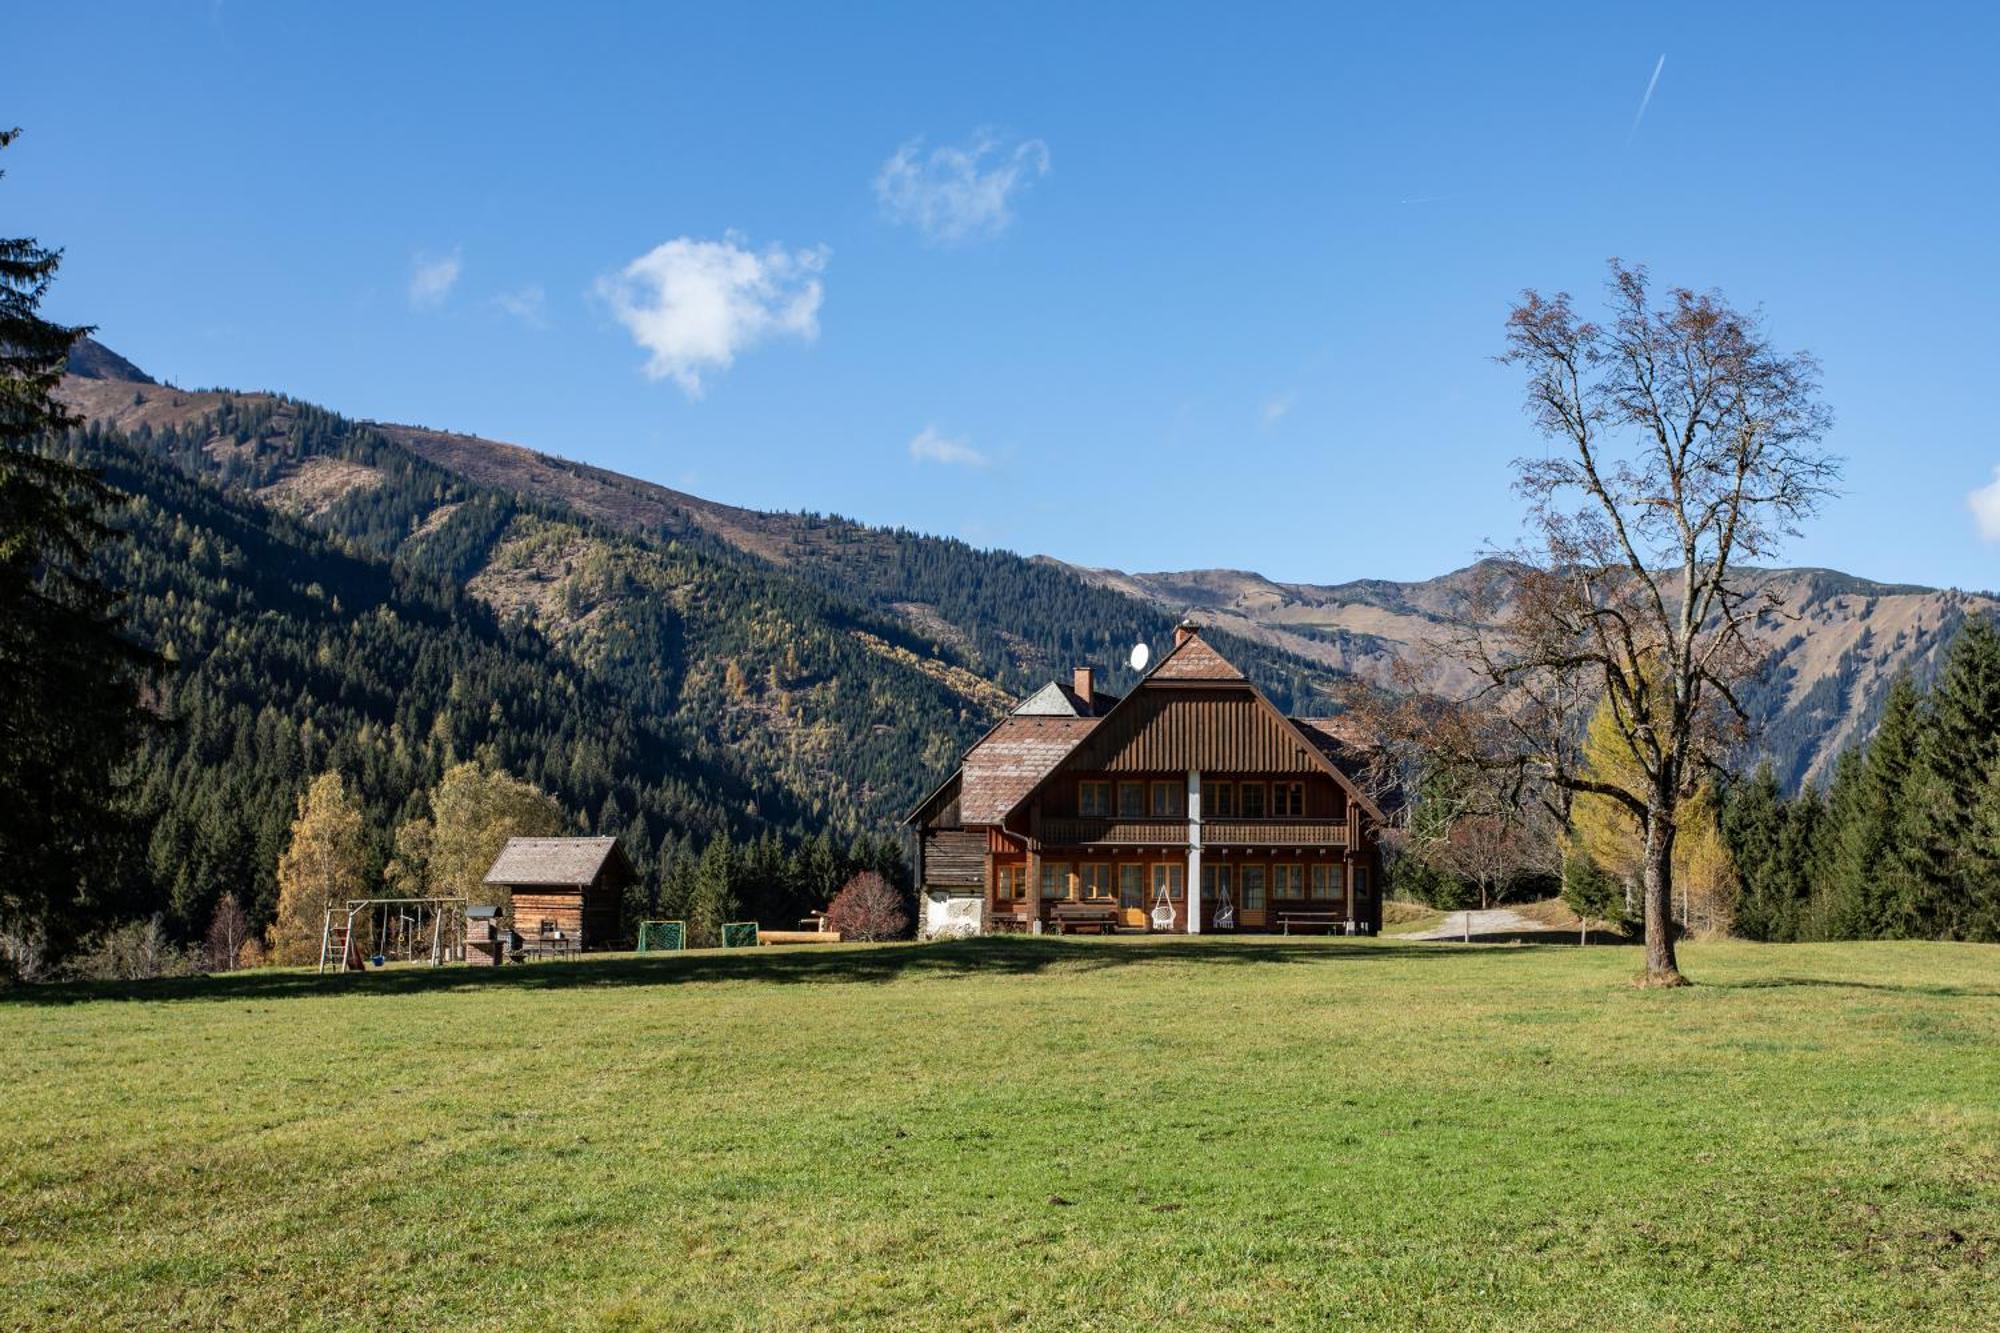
column 933, row 446
column 959, row 192
column 693, row 305
column 1647, row 100
column 1278, row 408
column 1985, row 505
column 431, row 279
column 528, row 304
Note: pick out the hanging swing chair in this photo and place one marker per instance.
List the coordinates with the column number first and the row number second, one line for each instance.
column 1163, row 909
column 1225, row 910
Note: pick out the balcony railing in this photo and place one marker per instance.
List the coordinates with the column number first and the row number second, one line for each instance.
column 1274, row 833
column 1100, row 831
column 1112, row 832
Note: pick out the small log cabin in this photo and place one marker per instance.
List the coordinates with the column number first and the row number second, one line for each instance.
column 1191, row 800
column 572, row 883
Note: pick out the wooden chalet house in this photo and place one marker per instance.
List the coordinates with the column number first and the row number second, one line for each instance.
column 1191, row 804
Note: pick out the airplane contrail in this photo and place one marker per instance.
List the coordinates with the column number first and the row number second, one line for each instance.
column 1647, row 100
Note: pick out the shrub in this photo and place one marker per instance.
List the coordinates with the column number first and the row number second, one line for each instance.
column 866, row 908
column 24, row 952
column 135, row 951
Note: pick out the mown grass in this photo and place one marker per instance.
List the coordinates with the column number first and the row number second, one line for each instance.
column 1037, row 1133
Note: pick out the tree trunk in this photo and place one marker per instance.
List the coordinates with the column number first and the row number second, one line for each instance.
column 1662, row 969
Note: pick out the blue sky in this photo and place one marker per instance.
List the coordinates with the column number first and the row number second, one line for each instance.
column 1156, row 288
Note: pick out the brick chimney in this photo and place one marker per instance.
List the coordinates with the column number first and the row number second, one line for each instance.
column 1184, row 631
column 1084, row 681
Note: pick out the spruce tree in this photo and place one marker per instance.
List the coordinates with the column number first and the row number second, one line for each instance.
column 1983, row 912
column 1955, row 755
column 1753, row 820
column 1864, row 886
column 69, row 681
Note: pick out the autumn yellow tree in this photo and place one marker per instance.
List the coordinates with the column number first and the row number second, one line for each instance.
column 474, row 810
column 321, row 867
column 1612, row 837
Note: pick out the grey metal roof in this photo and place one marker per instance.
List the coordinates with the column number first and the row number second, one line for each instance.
column 559, row 861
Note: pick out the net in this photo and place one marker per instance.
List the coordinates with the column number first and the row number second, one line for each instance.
column 739, row 935
column 662, row 936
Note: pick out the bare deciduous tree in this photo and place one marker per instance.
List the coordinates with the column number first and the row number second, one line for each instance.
column 227, row 930
column 1686, row 445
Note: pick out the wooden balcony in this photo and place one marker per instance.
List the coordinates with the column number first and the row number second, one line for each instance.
column 1112, row 832
column 1274, row 833
column 1092, row 831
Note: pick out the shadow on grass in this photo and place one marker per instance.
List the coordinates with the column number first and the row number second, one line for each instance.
column 1889, row 987
column 1005, row 955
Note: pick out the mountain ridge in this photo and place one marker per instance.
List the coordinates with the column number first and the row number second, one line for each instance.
column 1850, row 637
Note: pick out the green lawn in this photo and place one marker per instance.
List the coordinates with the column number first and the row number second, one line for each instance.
column 1031, row 1132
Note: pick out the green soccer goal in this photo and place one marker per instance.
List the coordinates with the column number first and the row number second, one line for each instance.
column 662, row 936
column 739, row 935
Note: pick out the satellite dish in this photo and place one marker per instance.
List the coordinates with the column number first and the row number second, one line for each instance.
column 1141, row 655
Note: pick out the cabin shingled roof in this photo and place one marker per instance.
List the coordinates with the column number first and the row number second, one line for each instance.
column 565, row 862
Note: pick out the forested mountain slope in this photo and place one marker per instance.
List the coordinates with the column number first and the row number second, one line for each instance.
column 670, row 667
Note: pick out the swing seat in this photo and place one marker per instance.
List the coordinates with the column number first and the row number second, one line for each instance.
column 1225, row 917
column 1163, row 917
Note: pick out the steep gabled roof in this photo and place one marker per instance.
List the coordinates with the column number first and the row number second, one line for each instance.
column 1056, row 699
column 1193, row 659
column 559, row 862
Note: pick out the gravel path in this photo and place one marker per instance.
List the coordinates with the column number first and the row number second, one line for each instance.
column 1491, row 921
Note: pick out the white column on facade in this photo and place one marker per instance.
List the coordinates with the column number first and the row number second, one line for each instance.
column 1194, row 851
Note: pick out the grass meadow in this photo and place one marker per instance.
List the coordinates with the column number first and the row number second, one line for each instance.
column 1031, row 1133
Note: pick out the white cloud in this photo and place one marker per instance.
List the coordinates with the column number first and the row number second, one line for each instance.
column 1985, row 503
column 934, row 446
column 959, row 193
column 431, row 279
column 526, row 304
column 1278, row 408
column 693, row 305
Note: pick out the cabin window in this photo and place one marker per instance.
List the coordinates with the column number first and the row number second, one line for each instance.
column 1166, row 799
column 1360, row 882
column 1288, row 800
column 1216, row 881
column 1218, row 800
column 1132, row 885
column 1253, row 888
column 1096, row 880
column 1056, row 881
column 1250, row 799
column 1172, row 876
column 1288, row 882
column 1093, row 798
column 1010, row 883
column 1131, row 800
column 1326, row 882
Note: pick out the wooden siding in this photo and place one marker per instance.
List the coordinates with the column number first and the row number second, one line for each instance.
column 591, row 916
column 954, row 858
column 1175, row 729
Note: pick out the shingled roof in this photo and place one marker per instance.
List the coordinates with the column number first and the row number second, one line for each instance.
column 1015, row 755
column 559, row 862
